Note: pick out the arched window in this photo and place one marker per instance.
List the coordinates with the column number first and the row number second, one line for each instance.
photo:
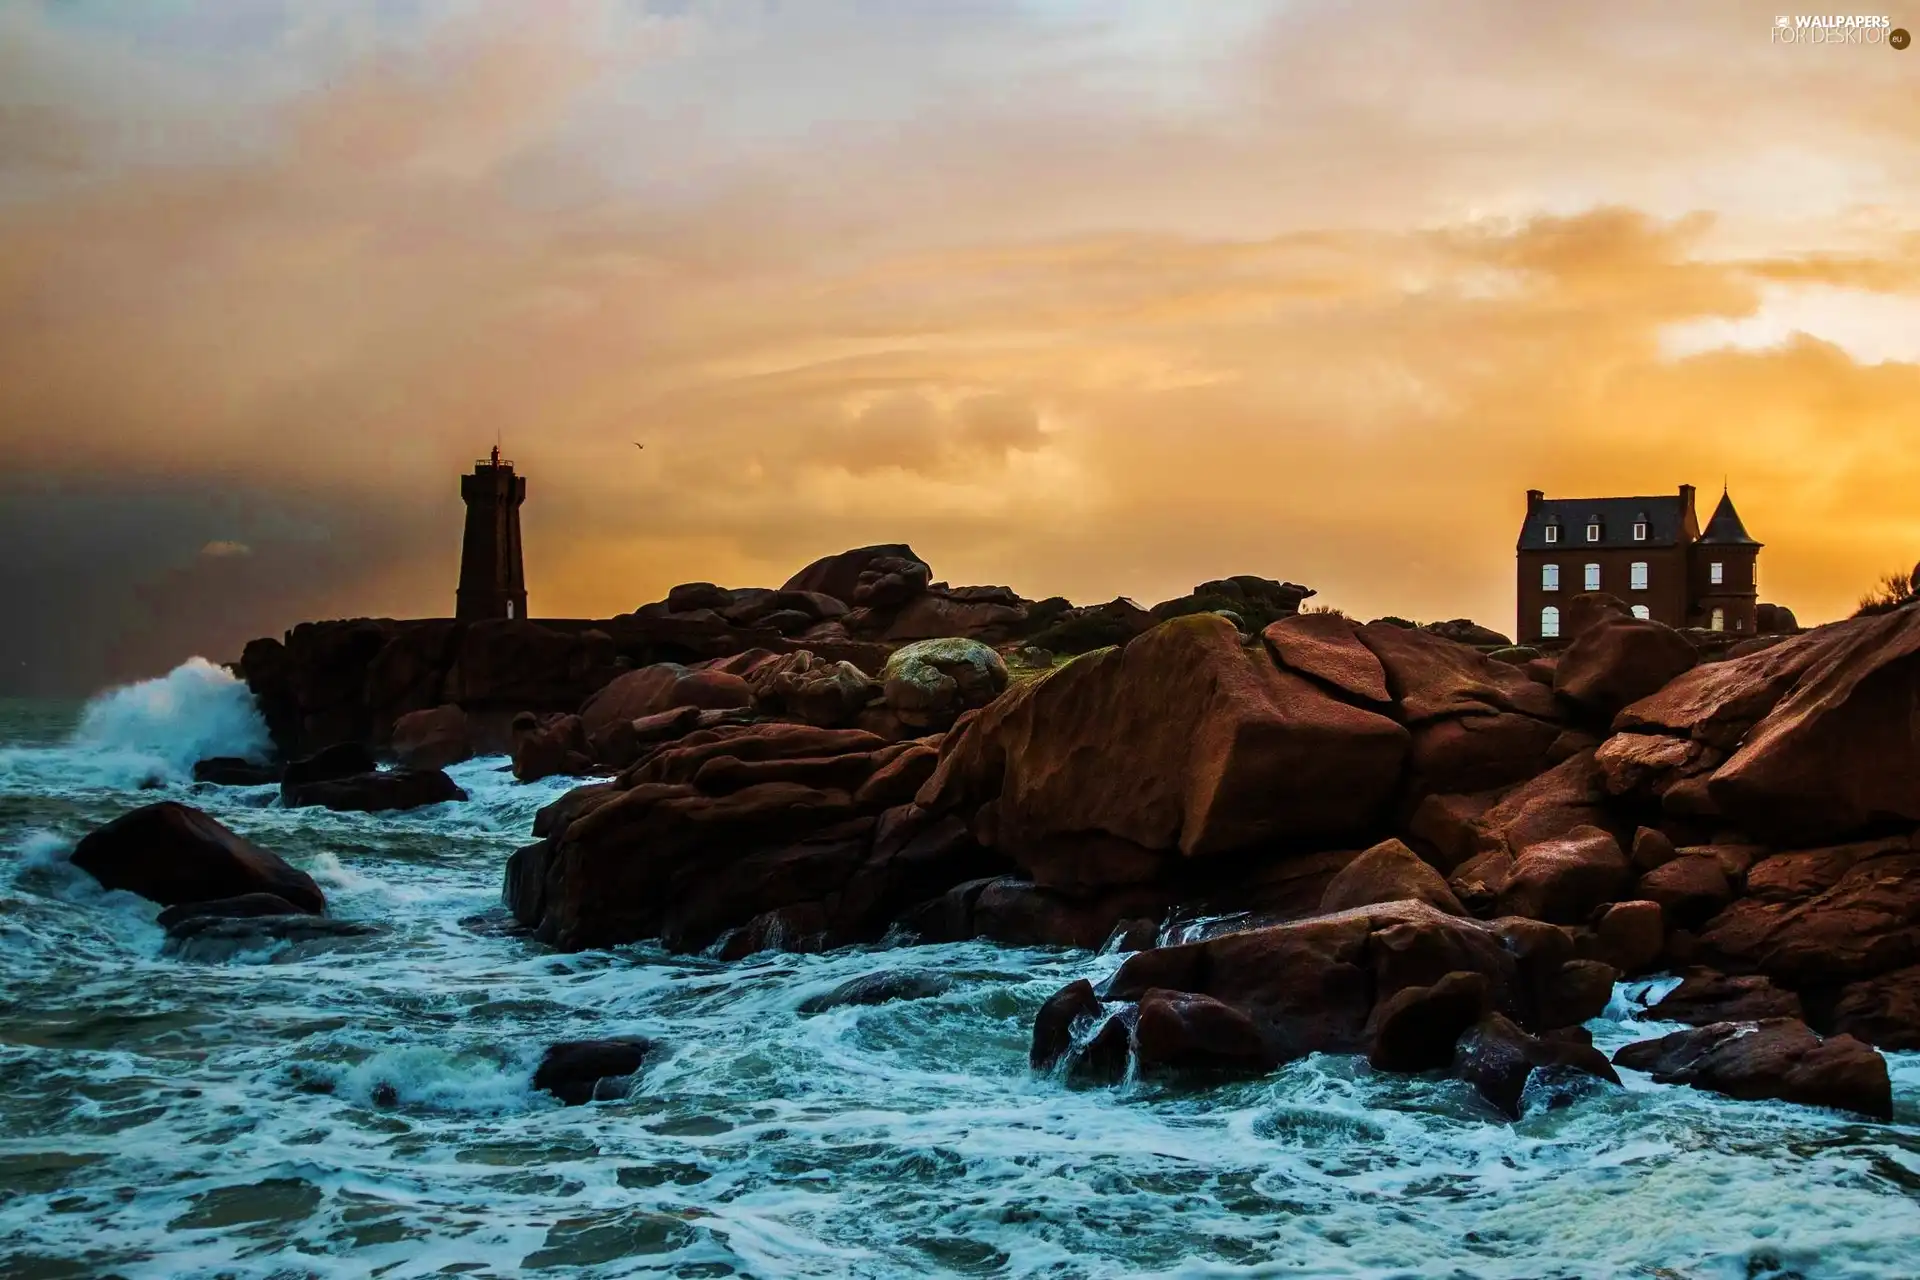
column 1637, row 575
column 1719, row 622
column 1641, row 612
column 1549, row 623
column 1549, row 577
column 1593, row 577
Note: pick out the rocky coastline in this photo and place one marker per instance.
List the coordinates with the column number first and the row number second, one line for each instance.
column 1423, row 845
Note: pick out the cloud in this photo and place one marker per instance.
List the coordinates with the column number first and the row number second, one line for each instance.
column 221, row 548
column 1084, row 306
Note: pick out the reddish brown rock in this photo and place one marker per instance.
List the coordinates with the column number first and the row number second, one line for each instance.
column 1182, row 1031
column 661, row 687
column 1481, row 752
column 1838, row 753
column 1645, row 765
column 432, row 739
column 900, row 778
column 549, row 747
column 1416, row 1028
column 1499, row 1060
column 1778, row 1059
column 1652, row 848
column 1706, row 996
column 874, row 577
column 1883, row 1011
column 1591, row 609
column 1053, row 1027
column 381, row 792
column 810, row 689
column 1022, row 914
column 1718, row 702
column 1564, row 879
column 1388, row 872
column 1548, row 807
column 1691, row 890
column 1618, row 661
column 1443, row 826
column 1224, row 752
column 1324, row 646
column 1631, row 935
column 1866, row 924
column 170, row 853
column 683, row 760
column 1433, row 678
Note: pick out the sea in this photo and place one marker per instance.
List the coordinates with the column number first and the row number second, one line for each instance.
column 361, row 1106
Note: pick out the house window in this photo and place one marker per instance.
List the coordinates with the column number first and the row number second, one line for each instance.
column 1553, row 533
column 1549, row 623
column 1593, row 577
column 1719, row 622
column 1641, row 612
column 1549, row 577
column 1637, row 575
column 1716, row 573
column 1593, row 533
column 1639, row 530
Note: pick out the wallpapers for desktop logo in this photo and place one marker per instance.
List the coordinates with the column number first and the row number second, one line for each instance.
column 1838, row 29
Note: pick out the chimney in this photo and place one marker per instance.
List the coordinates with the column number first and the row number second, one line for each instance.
column 1689, row 522
column 1534, row 498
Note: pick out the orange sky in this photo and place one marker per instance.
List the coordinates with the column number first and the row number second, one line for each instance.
column 1087, row 299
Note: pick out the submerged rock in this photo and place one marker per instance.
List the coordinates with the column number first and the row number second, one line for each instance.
column 377, row 792
column 1499, row 1060
column 1779, row 1059
column 171, row 853
column 211, row 939
column 235, row 771
column 245, row 906
column 880, row 988
column 582, row 1071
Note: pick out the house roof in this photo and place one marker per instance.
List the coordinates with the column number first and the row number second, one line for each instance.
column 1725, row 528
column 1664, row 516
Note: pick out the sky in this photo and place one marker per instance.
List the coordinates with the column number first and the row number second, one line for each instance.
column 1083, row 298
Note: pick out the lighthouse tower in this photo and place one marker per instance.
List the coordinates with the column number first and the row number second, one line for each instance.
column 492, row 582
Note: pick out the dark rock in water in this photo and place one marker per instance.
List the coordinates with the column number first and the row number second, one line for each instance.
column 1417, row 1028
column 1498, row 1059
column 433, row 739
column 246, row 906
column 880, row 988
column 1053, row 1025
column 376, row 792
column 235, row 771
column 211, row 939
column 1779, row 1059
column 342, row 760
column 171, row 853
column 1103, row 1059
column 582, row 1071
column 525, row 890
column 1182, row 1031
column 1705, row 996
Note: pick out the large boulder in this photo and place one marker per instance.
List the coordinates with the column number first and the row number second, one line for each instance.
column 663, row 686
column 170, row 853
column 1865, row 924
column 1777, row 1059
column 1388, row 872
column 582, row 1071
column 1255, row 601
column 377, row 792
column 1619, row 661
column 1090, row 627
column 1223, row 753
column 828, row 694
column 1500, row 1060
column 866, row 577
column 979, row 613
column 1706, row 996
column 1562, row 880
column 928, row 684
column 1324, row 647
column 432, row 739
column 1838, row 753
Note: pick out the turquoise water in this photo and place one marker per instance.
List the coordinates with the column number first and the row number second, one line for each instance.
column 362, row 1108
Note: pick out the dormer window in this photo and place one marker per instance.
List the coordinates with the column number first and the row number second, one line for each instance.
column 1639, row 530
column 1593, row 533
column 1553, row 533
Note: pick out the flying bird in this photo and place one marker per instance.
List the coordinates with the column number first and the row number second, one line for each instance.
column 638, row 445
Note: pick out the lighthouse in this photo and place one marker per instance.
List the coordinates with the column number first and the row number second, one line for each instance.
column 493, row 583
